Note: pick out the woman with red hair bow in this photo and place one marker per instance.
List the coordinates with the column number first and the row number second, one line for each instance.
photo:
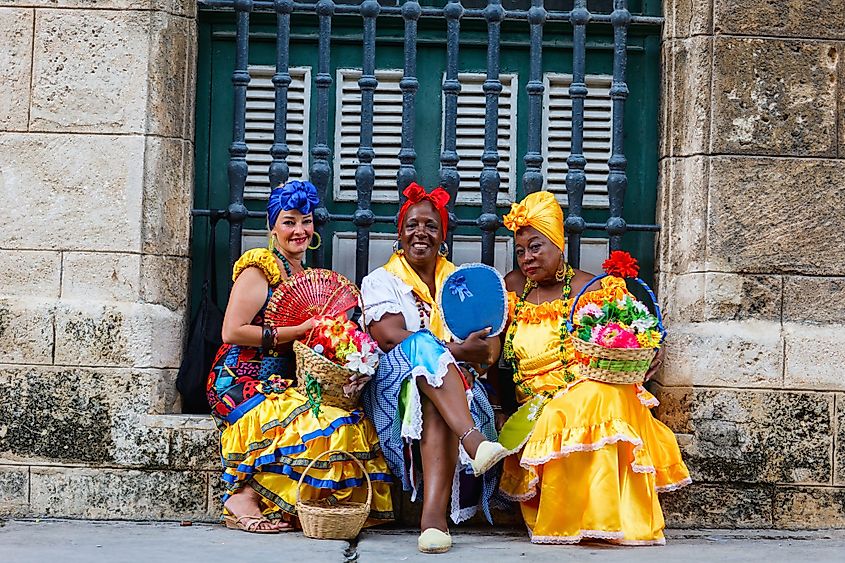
column 426, row 414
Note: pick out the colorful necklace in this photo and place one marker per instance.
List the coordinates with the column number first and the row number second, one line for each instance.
column 285, row 263
column 508, row 351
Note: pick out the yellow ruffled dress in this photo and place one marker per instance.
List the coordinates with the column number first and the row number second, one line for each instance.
column 596, row 457
column 269, row 434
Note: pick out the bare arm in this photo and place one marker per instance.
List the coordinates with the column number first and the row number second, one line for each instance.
column 389, row 331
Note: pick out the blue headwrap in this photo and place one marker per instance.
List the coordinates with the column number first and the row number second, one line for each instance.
column 295, row 194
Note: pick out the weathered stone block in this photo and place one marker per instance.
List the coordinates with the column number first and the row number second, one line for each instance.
column 164, row 280
column 839, row 439
column 813, row 299
column 682, row 298
column 195, row 449
column 15, row 66
column 790, row 18
column 90, row 70
column 90, row 199
column 118, row 334
column 168, row 75
column 30, row 273
column 80, row 415
column 687, row 95
column 759, row 206
column 14, row 490
column 686, row 18
column 814, row 356
column 216, row 489
column 718, row 506
column 740, row 297
column 746, row 354
column 809, row 508
column 101, row 276
column 26, row 331
column 167, row 196
column 118, row 494
column 684, row 183
column 773, row 96
column 176, row 7
column 752, row 436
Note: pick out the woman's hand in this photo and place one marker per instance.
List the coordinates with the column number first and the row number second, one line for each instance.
column 477, row 348
column 656, row 364
column 356, row 383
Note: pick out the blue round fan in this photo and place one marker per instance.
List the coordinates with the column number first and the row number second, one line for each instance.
column 474, row 298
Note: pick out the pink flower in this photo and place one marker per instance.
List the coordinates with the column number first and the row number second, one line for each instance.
column 613, row 335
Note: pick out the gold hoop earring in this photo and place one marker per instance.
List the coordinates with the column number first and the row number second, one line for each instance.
column 319, row 242
column 560, row 274
column 444, row 250
column 271, row 242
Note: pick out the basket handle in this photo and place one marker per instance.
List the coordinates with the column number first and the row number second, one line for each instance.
column 570, row 326
column 350, row 456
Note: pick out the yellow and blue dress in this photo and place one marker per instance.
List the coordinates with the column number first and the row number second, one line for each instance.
column 269, row 434
column 596, row 458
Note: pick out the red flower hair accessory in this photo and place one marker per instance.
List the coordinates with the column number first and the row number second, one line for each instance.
column 438, row 197
column 621, row 264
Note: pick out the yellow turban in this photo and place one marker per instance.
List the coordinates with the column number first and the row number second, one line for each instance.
column 541, row 211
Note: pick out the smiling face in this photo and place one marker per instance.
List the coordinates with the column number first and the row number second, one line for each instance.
column 537, row 256
column 293, row 231
column 421, row 234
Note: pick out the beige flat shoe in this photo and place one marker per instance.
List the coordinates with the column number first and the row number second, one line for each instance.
column 433, row 540
column 488, row 455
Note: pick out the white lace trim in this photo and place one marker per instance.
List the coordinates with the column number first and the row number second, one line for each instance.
column 532, row 492
column 413, row 430
column 643, row 468
column 376, row 312
column 641, row 392
column 595, row 534
column 458, row 514
column 436, row 379
column 674, row 486
column 566, row 450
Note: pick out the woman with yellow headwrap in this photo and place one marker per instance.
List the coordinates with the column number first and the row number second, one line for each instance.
column 592, row 458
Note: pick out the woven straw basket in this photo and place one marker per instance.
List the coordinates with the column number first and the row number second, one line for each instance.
column 614, row 365
column 342, row 521
column 328, row 374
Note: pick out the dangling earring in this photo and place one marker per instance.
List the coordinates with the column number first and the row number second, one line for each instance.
column 560, row 274
column 397, row 248
column 271, row 242
column 444, row 250
column 319, row 242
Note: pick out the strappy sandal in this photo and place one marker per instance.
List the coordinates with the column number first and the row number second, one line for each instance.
column 252, row 524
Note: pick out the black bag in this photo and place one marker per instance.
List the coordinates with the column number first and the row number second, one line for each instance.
column 203, row 342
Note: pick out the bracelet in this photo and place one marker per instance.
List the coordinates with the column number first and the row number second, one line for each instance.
column 267, row 340
column 495, row 408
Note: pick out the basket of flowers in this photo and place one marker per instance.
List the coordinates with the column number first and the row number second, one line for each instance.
column 335, row 352
column 616, row 340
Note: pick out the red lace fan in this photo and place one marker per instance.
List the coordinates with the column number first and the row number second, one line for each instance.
column 312, row 293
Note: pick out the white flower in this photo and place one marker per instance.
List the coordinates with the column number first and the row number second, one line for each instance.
column 643, row 324
column 588, row 310
column 362, row 362
column 640, row 307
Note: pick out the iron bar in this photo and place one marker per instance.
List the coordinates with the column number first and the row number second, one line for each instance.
column 490, row 180
column 450, row 178
column 532, row 179
column 238, row 168
column 279, row 151
column 365, row 175
column 576, row 179
column 320, row 152
column 617, row 179
column 408, row 85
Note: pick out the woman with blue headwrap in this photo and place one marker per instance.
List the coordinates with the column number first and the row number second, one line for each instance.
column 269, row 434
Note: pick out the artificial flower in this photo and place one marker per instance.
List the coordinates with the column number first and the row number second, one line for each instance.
column 621, row 265
column 650, row 339
column 613, row 335
column 588, row 310
column 643, row 324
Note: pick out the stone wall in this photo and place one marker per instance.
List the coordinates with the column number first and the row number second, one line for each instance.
column 752, row 201
column 96, row 177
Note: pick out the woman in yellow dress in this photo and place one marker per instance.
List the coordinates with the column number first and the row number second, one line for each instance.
column 594, row 457
column 269, row 434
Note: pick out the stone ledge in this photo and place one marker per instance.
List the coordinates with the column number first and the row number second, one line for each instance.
column 187, row 8
column 14, row 491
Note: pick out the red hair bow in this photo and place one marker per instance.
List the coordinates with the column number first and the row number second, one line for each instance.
column 438, row 197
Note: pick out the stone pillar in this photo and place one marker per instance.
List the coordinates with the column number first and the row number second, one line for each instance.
column 96, row 177
column 752, row 192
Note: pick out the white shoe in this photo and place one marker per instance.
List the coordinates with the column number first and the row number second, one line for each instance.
column 488, row 454
column 433, row 540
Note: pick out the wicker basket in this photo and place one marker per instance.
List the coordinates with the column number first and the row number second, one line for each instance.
column 614, row 365
column 330, row 376
column 324, row 521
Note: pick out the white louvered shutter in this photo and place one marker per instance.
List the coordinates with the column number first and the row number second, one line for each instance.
column 557, row 136
column 387, row 134
column 260, row 111
column 470, row 137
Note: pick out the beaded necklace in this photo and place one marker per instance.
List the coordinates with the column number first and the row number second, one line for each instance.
column 508, row 351
column 285, row 263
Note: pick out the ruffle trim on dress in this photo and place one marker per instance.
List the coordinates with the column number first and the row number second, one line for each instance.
column 526, row 496
column 375, row 312
column 262, row 259
column 458, row 514
column 583, row 534
column 673, row 486
column 414, row 429
column 646, row 399
column 563, row 451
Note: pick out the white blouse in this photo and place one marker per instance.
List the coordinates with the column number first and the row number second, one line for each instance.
column 383, row 293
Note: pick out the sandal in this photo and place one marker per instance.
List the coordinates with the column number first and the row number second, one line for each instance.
column 252, row 524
